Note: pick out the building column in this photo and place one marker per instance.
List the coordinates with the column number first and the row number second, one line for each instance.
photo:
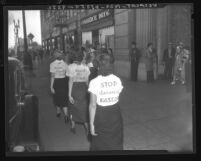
column 145, row 33
column 121, row 43
column 179, row 18
column 161, row 36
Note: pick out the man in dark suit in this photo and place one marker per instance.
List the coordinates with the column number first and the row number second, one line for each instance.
column 168, row 59
column 134, row 58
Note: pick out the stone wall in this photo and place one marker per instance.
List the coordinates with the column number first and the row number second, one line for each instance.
column 180, row 24
column 121, row 43
column 159, row 26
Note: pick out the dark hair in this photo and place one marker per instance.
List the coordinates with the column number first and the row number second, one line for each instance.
column 105, row 64
column 83, row 49
column 110, row 50
column 149, row 44
column 133, row 43
column 78, row 56
column 88, row 58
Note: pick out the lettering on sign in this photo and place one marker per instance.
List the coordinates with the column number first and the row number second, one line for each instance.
column 96, row 17
column 81, row 75
column 108, row 84
column 110, row 99
column 109, row 93
column 72, row 26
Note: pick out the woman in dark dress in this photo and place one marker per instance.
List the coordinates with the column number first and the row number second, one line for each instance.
column 78, row 82
column 59, row 84
column 106, row 123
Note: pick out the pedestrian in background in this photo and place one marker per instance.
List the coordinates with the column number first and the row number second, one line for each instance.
column 78, row 84
column 59, row 84
column 150, row 60
column 168, row 59
column 182, row 56
column 106, row 123
column 134, row 60
column 41, row 54
column 28, row 70
column 110, row 52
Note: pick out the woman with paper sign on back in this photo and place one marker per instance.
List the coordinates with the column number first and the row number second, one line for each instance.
column 78, row 82
column 106, row 124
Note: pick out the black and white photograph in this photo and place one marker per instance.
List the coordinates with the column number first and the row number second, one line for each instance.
column 99, row 78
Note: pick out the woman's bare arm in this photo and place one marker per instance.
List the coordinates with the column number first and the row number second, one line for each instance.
column 92, row 108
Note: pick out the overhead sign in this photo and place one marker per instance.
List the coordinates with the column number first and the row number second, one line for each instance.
column 96, row 17
column 72, row 26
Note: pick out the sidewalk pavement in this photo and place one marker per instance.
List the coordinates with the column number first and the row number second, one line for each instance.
column 156, row 116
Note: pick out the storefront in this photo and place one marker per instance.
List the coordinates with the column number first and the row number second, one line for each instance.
column 70, row 36
column 97, row 28
column 56, row 39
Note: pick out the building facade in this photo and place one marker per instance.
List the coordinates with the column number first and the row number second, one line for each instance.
column 117, row 29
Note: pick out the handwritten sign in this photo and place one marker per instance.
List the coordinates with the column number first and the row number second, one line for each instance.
column 59, row 68
column 107, row 89
column 79, row 73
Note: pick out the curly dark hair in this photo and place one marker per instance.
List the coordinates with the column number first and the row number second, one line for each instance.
column 105, row 64
column 78, row 56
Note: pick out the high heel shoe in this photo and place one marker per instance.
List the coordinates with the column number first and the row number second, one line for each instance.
column 66, row 119
column 88, row 136
column 72, row 128
column 58, row 114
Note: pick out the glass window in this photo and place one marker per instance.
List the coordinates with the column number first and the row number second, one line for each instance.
column 104, row 32
column 75, row 12
column 87, row 36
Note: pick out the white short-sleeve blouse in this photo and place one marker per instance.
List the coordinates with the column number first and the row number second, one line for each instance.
column 79, row 72
column 59, row 68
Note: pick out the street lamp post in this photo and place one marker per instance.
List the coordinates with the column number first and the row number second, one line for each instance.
column 16, row 29
column 25, row 32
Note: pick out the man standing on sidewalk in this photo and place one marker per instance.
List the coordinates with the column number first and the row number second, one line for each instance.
column 134, row 59
column 168, row 59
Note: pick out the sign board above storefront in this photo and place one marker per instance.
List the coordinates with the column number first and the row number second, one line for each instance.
column 56, row 32
column 72, row 26
column 97, row 17
column 69, row 28
column 64, row 30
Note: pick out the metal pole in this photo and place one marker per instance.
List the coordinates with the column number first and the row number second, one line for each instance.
column 25, row 32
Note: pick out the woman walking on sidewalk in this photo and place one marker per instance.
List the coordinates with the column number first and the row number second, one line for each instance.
column 106, row 124
column 78, row 82
column 59, row 84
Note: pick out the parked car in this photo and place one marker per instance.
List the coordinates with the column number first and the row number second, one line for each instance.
column 21, row 111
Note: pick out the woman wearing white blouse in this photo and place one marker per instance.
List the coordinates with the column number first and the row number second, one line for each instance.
column 59, row 84
column 78, row 82
column 106, row 124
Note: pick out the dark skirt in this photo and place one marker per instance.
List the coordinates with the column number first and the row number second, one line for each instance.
column 108, row 126
column 61, row 92
column 79, row 110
